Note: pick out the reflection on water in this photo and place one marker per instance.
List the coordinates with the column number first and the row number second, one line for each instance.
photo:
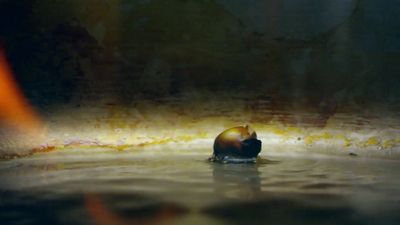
column 240, row 181
column 135, row 188
column 134, row 211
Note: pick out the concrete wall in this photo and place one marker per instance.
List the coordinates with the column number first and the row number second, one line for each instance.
column 297, row 63
column 311, row 50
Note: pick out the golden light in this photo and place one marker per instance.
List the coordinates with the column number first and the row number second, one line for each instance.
column 144, row 127
column 14, row 108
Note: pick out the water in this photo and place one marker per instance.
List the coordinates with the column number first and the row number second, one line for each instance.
column 89, row 186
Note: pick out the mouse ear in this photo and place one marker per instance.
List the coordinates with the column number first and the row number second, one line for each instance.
column 252, row 133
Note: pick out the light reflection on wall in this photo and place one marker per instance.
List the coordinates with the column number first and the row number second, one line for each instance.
column 182, row 128
column 190, row 124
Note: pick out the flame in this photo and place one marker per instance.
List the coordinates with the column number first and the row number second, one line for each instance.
column 14, row 108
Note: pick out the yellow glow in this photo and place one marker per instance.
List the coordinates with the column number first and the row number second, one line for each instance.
column 182, row 134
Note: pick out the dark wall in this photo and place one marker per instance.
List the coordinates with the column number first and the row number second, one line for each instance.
column 311, row 52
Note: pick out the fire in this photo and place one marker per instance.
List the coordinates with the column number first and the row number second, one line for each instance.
column 14, row 108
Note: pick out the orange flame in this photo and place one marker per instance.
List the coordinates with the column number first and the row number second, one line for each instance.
column 14, row 108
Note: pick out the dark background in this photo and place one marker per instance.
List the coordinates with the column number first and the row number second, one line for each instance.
column 322, row 55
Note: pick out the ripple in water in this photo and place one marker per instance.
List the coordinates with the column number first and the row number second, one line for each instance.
column 132, row 188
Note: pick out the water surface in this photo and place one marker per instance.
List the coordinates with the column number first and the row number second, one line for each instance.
column 106, row 187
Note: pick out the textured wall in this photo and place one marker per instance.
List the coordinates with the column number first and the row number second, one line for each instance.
column 319, row 64
column 341, row 50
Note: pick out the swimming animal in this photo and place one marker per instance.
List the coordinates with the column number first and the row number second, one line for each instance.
column 237, row 144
